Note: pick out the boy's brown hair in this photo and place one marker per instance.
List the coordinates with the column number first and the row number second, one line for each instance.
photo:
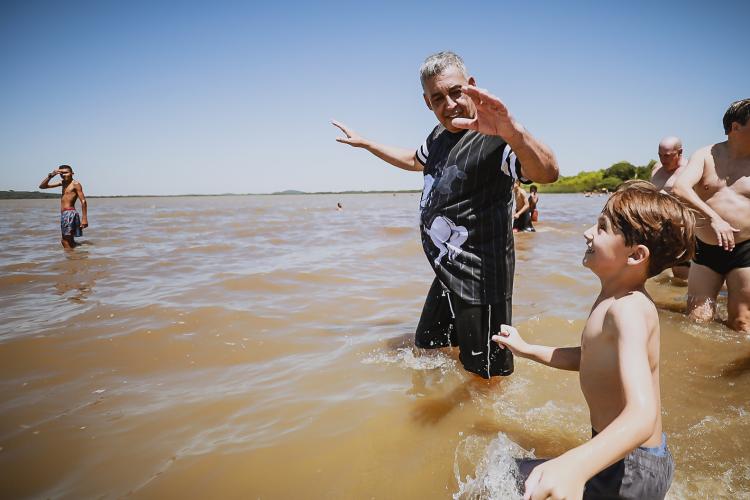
column 662, row 223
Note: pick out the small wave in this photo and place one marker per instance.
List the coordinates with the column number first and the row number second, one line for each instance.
column 406, row 358
column 495, row 476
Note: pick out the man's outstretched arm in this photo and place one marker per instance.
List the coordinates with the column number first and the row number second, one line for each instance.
column 45, row 182
column 398, row 157
column 537, row 160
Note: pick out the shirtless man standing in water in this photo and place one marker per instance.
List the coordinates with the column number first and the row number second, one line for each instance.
column 670, row 164
column 716, row 181
column 70, row 223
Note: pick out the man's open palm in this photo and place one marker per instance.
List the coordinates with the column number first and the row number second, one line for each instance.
column 492, row 116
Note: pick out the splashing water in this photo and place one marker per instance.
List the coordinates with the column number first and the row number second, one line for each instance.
column 496, row 474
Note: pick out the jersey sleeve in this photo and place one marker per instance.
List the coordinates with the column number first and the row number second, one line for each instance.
column 423, row 151
column 511, row 166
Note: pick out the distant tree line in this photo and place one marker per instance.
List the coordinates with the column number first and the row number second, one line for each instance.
column 608, row 178
column 21, row 195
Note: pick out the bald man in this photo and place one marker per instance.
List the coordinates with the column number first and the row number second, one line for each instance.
column 669, row 165
column 663, row 176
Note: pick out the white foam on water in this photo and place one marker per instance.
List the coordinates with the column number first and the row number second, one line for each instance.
column 406, row 357
column 495, row 476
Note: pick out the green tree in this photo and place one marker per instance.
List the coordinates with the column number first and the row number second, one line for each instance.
column 622, row 170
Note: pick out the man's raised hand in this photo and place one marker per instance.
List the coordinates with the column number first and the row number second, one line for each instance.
column 492, row 117
column 352, row 138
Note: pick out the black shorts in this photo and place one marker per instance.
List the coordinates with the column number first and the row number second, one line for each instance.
column 448, row 320
column 719, row 260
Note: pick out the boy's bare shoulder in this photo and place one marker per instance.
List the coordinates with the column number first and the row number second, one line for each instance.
column 634, row 313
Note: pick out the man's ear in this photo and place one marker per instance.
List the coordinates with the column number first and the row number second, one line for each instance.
column 427, row 102
column 639, row 254
column 472, row 81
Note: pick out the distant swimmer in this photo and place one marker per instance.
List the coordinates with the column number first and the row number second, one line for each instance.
column 533, row 202
column 339, row 206
column 671, row 163
column 618, row 356
column 716, row 181
column 522, row 214
column 469, row 162
column 71, row 224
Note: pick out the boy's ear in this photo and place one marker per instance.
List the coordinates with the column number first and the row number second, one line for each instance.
column 639, row 254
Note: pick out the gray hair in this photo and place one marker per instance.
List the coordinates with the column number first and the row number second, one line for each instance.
column 438, row 63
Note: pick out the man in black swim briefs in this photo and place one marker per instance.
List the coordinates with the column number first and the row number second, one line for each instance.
column 469, row 162
column 716, row 181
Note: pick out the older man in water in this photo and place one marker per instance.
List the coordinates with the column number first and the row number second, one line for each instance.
column 670, row 164
column 469, row 161
column 716, row 181
column 663, row 176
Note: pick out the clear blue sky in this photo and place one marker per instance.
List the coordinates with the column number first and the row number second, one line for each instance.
column 213, row 97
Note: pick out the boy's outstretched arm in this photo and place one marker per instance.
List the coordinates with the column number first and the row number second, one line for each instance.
column 398, row 157
column 565, row 476
column 564, row 358
column 45, row 182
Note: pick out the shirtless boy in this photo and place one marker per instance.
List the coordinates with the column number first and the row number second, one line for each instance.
column 670, row 164
column 640, row 232
column 716, row 181
column 70, row 223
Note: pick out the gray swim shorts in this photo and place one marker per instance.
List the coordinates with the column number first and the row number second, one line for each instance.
column 644, row 474
column 70, row 223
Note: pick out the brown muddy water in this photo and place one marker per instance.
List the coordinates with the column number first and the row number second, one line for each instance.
column 261, row 347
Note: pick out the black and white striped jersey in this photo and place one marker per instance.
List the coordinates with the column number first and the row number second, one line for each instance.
column 467, row 212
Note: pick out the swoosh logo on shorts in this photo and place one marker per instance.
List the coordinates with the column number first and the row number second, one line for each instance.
column 476, row 353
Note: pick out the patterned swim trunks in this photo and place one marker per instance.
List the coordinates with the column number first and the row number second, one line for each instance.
column 70, row 223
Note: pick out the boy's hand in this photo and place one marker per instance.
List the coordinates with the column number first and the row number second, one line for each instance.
column 510, row 338
column 554, row 479
column 84, row 224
